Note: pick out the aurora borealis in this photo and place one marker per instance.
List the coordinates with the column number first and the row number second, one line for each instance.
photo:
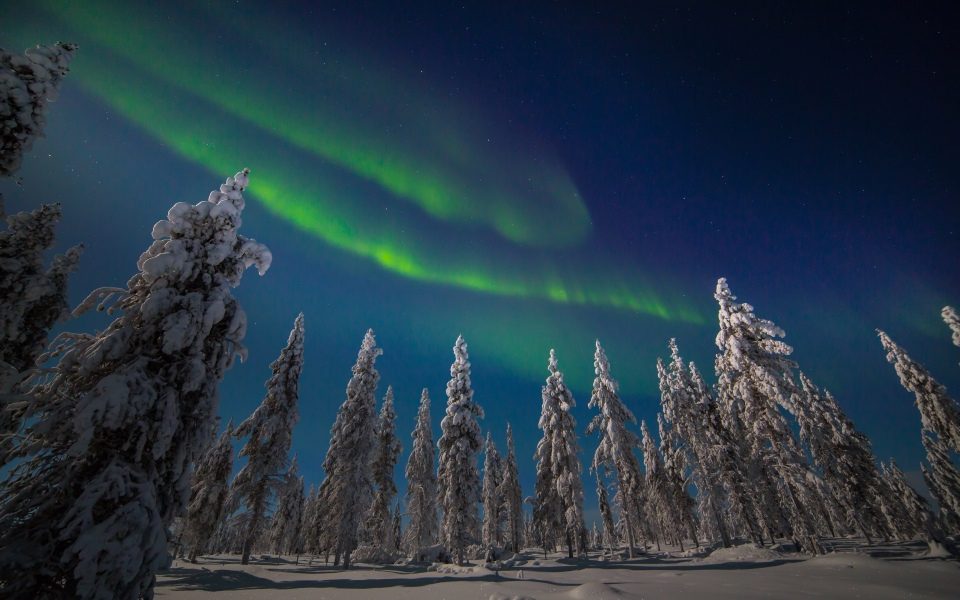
column 531, row 177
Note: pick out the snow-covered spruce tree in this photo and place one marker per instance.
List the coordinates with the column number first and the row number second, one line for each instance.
column 615, row 449
column 660, row 509
column 725, row 451
column 943, row 480
column 559, row 492
column 422, row 482
column 270, row 431
column 347, row 490
column 606, row 513
column 952, row 319
column 512, row 497
column 27, row 83
column 114, row 433
column 458, row 479
column 939, row 412
column 33, row 296
column 907, row 510
column 285, row 526
column 844, row 457
column 379, row 523
column 208, row 494
column 309, row 538
column 755, row 380
column 492, row 528
column 676, row 485
column 689, row 414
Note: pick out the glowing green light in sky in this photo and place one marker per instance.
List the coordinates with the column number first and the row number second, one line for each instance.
column 375, row 131
column 223, row 117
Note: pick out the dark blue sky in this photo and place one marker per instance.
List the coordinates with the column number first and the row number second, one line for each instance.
column 804, row 151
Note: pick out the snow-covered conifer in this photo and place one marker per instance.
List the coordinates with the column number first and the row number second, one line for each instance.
column 380, row 522
column 943, row 480
column 562, row 508
column 689, row 411
column 422, row 482
column 755, row 380
column 493, row 517
column 458, row 479
column 675, row 484
column 127, row 412
column 287, row 519
column 615, row 449
column 33, row 296
column 512, row 497
column 270, row 431
column 939, row 412
column 27, row 83
column 346, row 492
column 606, row 513
column 208, row 494
column 844, row 457
column 907, row 510
column 952, row 319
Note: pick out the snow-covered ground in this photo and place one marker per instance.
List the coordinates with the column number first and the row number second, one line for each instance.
column 895, row 571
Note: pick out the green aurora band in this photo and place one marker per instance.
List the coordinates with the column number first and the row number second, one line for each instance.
column 351, row 122
column 170, row 93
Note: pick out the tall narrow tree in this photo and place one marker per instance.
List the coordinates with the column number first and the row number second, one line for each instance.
column 492, row 530
column 386, row 453
column 615, row 449
column 755, row 380
column 558, row 507
column 114, row 433
column 844, row 457
column 208, row 494
column 270, row 431
column 939, row 412
column 346, row 491
column 512, row 496
column 287, row 519
column 422, row 482
column 943, row 480
column 457, row 477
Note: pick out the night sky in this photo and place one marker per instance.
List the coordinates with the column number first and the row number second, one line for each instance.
column 532, row 175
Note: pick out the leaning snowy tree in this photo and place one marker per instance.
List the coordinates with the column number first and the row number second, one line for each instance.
column 905, row 508
column 28, row 82
column 287, row 519
column 512, row 496
column 380, row 522
column 755, row 380
column 939, row 412
column 346, row 492
column 33, row 298
column 691, row 415
column 422, row 482
column 844, row 457
column 270, row 431
column 615, row 449
column 114, row 433
column 952, row 320
column 208, row 494
column 558, row 503
column 458, row 480
column 492, row 529
column 940, row 432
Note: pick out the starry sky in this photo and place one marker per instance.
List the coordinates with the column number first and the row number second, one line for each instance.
column 533, row 176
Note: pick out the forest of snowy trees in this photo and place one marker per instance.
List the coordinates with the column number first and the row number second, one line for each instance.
column 115, row 462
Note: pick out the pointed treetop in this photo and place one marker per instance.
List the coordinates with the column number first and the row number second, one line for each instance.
column 952, row 320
